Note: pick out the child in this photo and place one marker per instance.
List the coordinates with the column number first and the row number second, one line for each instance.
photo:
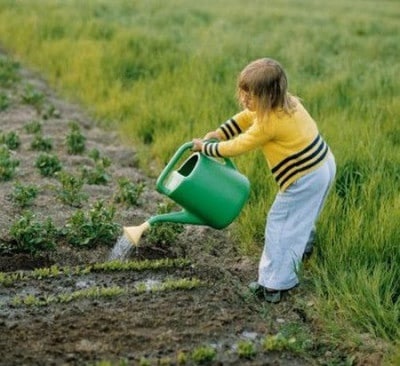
column 300, row 161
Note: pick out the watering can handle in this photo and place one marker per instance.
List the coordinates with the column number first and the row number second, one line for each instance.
column 171, row 164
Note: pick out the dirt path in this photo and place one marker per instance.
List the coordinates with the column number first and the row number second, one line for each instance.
column 149, row 316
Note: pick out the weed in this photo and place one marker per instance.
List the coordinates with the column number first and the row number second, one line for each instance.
column 32, row 236
column 95, row 227
column 7, row 164
column 203, row 354
column 164, row 233
column 128, row 192
column 75, row 140
column 11, row 140
column 33, row 97
column 48, row 164
column 4, row 101
column 41, row 143
column 71, row 192
column 23, row 195
column 246, row 349
column 33, row 127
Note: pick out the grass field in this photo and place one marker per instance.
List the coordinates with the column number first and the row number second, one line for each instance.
column 164, row 72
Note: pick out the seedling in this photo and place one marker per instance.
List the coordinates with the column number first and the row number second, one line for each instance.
column 33, row 127
column 48, row 164
column 98, row 174
column 203, row 354
column 41, row 143
column 8, row 71
column 33, row 97
column 75, row 141
column 50, row 111
column 92, row 228
column 246, row 349
column 31, row 235
column 24, row 195
column 71, row 192
column 128, row 192
column 4, row 102
column 278, row 342
column 11, row 140
column 7, row 164
column 8, row 279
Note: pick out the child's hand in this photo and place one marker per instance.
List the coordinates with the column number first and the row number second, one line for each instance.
column 197, row 144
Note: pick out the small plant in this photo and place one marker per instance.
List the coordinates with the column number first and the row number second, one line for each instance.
column 48, row 164
column 95, row 227
column 164, row 233
column 4, row 102
column 33, row 127
column 128, row 192
column 8, row 71
column 204, row 354
column 11, row 140
column 278, row 342
column 50, row 111
column 24, row 195
column 75, row 141
column 71, row 192
column 246, row 349
column 181, row 358
column 33, row 236
column 98, row 174
column 33, row 97
column 41, row 143
column 7, row 164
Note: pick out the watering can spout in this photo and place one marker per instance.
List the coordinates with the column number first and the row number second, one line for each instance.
column 180, row 217
column 134, row 233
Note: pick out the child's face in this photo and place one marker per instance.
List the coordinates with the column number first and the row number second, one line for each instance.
column 247, row 100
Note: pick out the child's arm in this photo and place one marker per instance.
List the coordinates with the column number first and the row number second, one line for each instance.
column 232, row 127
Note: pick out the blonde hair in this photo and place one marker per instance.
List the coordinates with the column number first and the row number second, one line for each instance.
column 266, row 81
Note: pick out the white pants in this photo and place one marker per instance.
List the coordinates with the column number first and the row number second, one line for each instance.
column 290, row 222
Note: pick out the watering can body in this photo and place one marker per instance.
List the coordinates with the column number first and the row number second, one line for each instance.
column 211, row 192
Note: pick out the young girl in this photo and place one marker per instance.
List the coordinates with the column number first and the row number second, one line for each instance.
column 300, row 161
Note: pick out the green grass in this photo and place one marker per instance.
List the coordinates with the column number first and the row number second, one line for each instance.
column 162, row 73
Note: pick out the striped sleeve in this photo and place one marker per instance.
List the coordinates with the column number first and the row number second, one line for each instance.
column 236, row 125
column 230, row 129
column 211, row 149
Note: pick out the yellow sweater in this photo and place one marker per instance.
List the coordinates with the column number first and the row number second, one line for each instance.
column 290, row 143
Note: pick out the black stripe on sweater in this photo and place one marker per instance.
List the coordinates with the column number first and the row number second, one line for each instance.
column 295, row 156
column 305, row 167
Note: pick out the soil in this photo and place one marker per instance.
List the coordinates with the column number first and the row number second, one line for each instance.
column 132, row 328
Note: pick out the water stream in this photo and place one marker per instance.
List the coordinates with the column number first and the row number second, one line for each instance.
column 122, row 249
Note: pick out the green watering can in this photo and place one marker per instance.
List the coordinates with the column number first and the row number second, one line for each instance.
column 211, row 192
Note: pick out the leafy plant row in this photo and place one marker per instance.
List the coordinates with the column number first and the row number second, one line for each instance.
column 8, row 279
column 105, row 292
